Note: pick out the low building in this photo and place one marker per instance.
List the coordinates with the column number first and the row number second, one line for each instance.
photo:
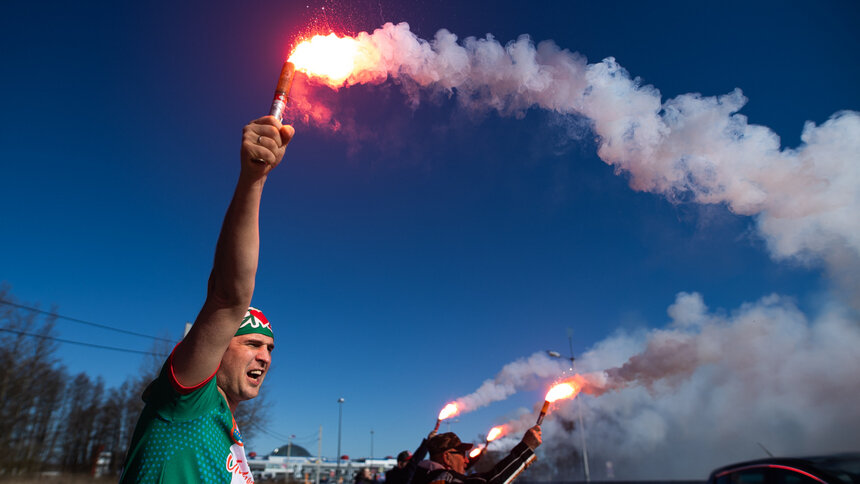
column 294, row 463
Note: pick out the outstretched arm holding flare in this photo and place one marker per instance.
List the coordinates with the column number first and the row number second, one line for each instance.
column 231, row 282
column 186, row 432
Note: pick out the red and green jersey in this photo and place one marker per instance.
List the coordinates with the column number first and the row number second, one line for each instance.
column 185, row 435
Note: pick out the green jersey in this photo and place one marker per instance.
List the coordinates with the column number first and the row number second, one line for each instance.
column 185, row 435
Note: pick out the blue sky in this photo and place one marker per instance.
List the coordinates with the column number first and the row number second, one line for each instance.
column 399, row 272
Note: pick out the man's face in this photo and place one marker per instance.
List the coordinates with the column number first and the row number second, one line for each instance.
column 455, row 460
column 244, row 366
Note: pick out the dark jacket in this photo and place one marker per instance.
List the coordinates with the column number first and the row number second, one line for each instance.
column 399, row 475
column 407, row 475
column 520, row 457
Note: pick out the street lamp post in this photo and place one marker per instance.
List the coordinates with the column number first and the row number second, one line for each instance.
column 579, row 410
column 371, row 448
column 339, row 421
column 319, row 455
column 289, row 453
column 556, row 354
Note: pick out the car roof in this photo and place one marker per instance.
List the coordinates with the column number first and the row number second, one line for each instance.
column 829, row 467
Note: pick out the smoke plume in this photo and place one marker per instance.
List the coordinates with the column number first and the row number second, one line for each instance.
column 513, row 377
column 690, row 148
column 706, row 390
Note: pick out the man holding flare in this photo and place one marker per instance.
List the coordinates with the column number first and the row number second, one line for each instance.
column 186, row 432
column 448, row 461
column 449, row 458
column 448, row 455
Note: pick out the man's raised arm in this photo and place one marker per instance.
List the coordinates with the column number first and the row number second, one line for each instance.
column 231, row 283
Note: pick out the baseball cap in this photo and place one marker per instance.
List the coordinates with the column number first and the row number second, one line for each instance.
column 447, row 441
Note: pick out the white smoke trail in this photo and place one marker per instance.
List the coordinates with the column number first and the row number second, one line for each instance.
column 694, row 148
column 513, row 377
column 679, row 401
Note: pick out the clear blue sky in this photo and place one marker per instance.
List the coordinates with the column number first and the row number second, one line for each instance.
column 399, row 274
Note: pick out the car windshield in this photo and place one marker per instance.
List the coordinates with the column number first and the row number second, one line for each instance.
column 846, row 468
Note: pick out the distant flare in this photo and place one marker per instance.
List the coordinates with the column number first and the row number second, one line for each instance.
column 447, row 412
column 476, row 451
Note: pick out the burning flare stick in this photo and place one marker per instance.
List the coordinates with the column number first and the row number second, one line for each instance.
column 449, row 411
column 328, row 59
column 282, row 91
column 557, row 392
column 492, row 435
column 477, row 451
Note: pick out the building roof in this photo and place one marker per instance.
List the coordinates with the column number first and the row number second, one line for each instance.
column 295, row 451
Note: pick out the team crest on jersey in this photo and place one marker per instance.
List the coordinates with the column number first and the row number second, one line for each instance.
column 237, row 436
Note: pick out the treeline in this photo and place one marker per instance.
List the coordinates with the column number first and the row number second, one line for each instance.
column 57, row 421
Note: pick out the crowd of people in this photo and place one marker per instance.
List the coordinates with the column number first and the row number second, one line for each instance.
column 450, row 462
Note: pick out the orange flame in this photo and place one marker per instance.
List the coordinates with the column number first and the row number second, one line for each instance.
column 562, row 390
column 328, row 57
column 495, row 433
column 449, row 411
column 476, row 451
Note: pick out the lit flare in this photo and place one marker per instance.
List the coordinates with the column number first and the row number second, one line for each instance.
column 494, row 433
column 329, row 58
column 447, row 412
column 562, row 390
column 557, row 392
column 476, row 451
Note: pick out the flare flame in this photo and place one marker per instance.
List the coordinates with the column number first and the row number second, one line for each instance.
column 449, row 411
column 560, row 391
column 476, row 451
column 328, row 58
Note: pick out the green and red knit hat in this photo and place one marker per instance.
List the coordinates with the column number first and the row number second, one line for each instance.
column 255, row 322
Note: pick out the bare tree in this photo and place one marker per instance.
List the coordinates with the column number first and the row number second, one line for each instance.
column 83, row 401
column 251, row 412
column 129, row 401
column 27, row 404
column 52, row 420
